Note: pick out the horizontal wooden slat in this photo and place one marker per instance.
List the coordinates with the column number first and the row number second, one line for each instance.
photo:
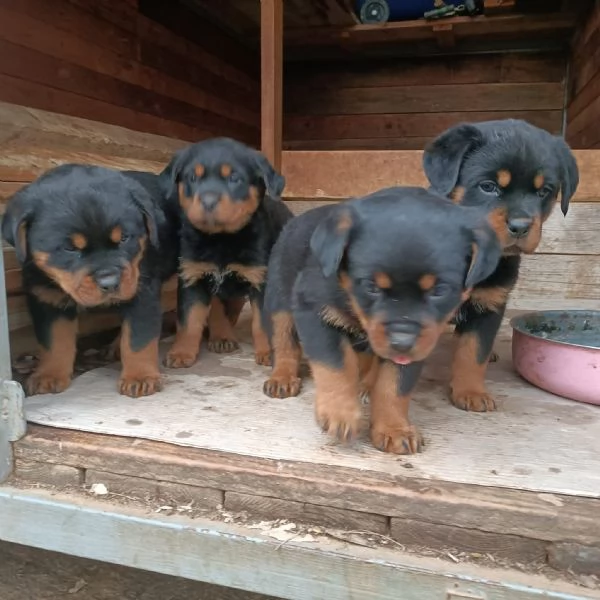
column 23, row 128
column 342, row 174
column 25, row 166
column 426, row 98
column 455, row 70
column 393, row 125
column 381, row 143
column 412, row 31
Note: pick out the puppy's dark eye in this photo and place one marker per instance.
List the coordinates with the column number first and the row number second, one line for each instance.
column 489, row 187
column 440, row 291
column 234, row 178
column 125, row 237
column 70, row 247
column 545, row 191
column 371, row 288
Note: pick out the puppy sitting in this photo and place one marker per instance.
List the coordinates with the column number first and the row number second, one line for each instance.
column 88, row 238
column 229, row 227
column 515, row 171
column 373, row 280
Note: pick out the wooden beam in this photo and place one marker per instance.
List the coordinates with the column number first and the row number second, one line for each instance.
column 271, row 26
column 515, row 26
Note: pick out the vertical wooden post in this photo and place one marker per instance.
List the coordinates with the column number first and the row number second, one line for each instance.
column 271, row 74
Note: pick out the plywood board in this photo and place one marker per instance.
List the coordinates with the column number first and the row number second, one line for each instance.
column 219, row 405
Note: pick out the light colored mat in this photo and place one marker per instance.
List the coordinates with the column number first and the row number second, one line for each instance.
column 535, row 441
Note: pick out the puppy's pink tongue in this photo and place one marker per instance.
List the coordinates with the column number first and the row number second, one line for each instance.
column 402, row 360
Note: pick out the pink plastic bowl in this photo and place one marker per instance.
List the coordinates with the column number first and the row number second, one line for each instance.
column 559, row 351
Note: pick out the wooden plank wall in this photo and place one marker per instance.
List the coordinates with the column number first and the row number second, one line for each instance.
column 400, row 104
column 583, row 112
column 134, row 63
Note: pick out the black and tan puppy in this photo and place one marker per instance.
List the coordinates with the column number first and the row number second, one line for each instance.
column 228, row 196
column 373, row 280
column 88, row 238
column 515, row 171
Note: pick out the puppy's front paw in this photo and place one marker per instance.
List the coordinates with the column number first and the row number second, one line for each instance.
column 282, row 386
column 47, row 383
column 135, row 387
column 341, row 420
column 179, row 360
column 473, row 400
column 263, row 358
column 405, row 440
column 222, row 346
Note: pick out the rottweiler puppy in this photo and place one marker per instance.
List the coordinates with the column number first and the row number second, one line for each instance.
column 228, row 195
column 91, row 238
column 365, row 288
column 515, row 171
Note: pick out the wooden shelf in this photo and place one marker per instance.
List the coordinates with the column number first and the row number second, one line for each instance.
column 444, row 31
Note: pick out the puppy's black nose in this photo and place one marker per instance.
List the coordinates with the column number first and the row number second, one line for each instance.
column 108, row 280
column 402, row 342
column 519, row 227
column 210, row 200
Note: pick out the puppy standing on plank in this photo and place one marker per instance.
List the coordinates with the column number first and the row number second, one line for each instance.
column 372, row 280
column 88, row 238
column 515, row 171
column 229, row 198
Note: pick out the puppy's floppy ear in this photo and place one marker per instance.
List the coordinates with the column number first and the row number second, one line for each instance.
column 330, row 239
column 569, row 177
column 172, row 172
column 443, row 157
column 145, row 203
column 487, row 252
column 19, row 213
column 274, row 181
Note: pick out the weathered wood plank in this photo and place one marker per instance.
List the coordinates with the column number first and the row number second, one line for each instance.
column 242, row 558
column 418, row 534
column 305, row 512
column 426, row 98
column 342, row 128
column 488, row 509
column 455, row 70
column 23, row 128
column 41, row 473
column 343, row 174
column 136, row 487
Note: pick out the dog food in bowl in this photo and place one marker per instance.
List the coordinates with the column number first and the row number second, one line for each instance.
column 559, row 351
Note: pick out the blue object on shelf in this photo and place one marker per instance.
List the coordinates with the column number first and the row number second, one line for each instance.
column 403, row 10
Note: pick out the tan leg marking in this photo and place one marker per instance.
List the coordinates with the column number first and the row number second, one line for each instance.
column 186, row 347
column 467, row 388
column 337, row 407
column 140, row 375
column 55, row 369
column 284, row 381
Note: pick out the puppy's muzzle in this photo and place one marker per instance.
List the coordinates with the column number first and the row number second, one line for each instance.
column 519, row 227
column 108, row 280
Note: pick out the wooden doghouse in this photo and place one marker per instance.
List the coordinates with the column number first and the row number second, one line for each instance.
column 504, row 506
